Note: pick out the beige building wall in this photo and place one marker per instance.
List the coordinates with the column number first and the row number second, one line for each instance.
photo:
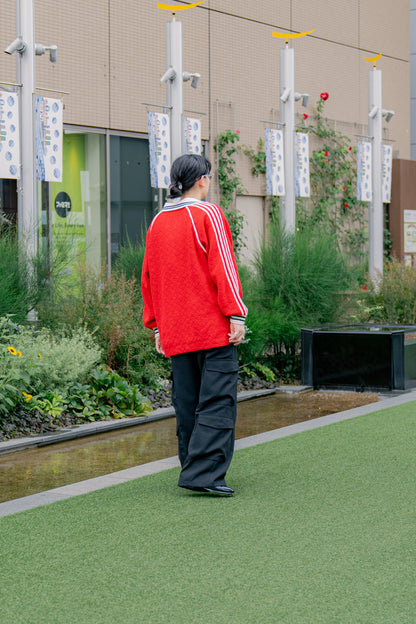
column 111, row 54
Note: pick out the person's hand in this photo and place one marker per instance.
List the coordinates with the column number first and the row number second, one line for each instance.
column 237, row 332
column 158, row 345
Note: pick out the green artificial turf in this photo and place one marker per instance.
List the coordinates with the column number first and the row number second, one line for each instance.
column 321, row 530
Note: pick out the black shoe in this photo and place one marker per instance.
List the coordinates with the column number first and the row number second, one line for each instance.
column 219, row 490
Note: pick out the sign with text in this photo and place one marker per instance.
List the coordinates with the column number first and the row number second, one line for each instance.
column 49, row 131
column 192, row 136
column 9, row 135
column 275, row 171
column 387, row 162
column 364, row 173
column 302, row 164
column 159, row 149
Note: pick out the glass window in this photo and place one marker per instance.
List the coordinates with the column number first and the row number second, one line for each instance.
column 8, row 202
column 131, row 194
column 79, row 202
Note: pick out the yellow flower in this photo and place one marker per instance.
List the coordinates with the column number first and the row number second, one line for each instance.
column 39, row 355
column 27, row 396
column 12, row 350
column 19, row 354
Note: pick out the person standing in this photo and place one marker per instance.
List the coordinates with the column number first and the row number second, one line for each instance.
column 193, row 302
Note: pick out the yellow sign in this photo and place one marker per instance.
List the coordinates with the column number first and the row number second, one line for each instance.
column 373, row 59
column 178, row 7
column 292, row 35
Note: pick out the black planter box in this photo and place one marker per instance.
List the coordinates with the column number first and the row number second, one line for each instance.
column 359, row 357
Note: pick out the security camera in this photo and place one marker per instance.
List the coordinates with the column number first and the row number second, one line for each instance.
column 16, row 46
column 373, row 112
column 285, row 95
column 304, row 97
column 388, row 114
column 41, row 49
column 195, row 78
column 170, row 74
column 53, row 53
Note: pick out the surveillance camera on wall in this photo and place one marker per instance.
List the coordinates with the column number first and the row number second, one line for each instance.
column 304, row 97
column 53, row 51
column 195, row 78
column 16, row 46
column 387, row 114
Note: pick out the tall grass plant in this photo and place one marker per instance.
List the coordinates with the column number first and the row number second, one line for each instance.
column 296, row 283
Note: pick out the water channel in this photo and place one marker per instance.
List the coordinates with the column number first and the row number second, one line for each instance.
column 36, row 470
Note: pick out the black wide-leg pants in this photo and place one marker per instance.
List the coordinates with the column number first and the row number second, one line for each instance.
column 204, row 395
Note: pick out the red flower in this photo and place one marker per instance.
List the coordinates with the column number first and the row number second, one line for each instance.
column 325, row 161
column 350, row 148
column 343, row 188
column 326, row 153
column 345, row 205
column 238, row 131
column 364, row 287
column 305, row 115
column 324, row 96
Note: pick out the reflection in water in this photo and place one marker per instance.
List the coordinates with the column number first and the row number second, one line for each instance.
column 31, row 471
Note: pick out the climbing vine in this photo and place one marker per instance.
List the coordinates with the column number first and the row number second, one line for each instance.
column 333, row 174
column 230, row 183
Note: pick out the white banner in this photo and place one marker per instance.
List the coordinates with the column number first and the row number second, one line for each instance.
column 387, row 157
column 159, row 149
column 275, row 171
column 9, row 135
column 49, row 130
column 302, row 164
column 364, row 174
column 191, row 136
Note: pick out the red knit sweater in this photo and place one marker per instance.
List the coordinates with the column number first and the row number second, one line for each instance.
column 190, row 283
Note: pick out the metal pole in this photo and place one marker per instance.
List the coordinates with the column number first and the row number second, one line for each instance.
column 174, row 88
column 287, row 117
column 27, row 200
column 375, row 215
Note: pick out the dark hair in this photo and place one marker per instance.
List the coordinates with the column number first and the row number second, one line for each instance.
column 185, row 171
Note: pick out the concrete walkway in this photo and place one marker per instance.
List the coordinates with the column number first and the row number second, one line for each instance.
column 116, row 478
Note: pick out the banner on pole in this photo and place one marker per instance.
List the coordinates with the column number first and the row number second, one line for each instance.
column 302, row 164
column 9, row 135
column 159, row 149
column 49, row 131
column 192, row 136
column 364, row 174
column 387, row 156
column 275, row 172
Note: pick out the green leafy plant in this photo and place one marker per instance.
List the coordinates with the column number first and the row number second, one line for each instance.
column 393, row 300
column 107, row 395
column 230, row 183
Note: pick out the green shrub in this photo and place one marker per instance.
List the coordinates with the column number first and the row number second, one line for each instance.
column 112, row 308
column 296, row 283
column 39, row 362
column 393, row 301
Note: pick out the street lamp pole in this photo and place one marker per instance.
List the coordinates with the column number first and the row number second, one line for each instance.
column 287, row 117
column 27, row 199
column 174, row 84
column 375, row 215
